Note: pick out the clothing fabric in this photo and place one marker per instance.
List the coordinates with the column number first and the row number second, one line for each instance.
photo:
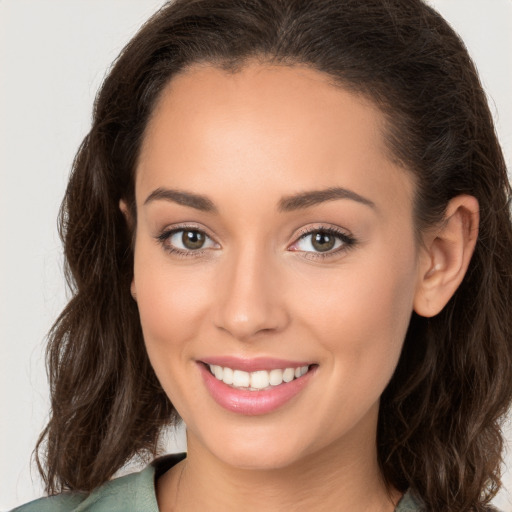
column 136, row 493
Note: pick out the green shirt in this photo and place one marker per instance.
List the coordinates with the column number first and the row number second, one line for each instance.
column 135, row 493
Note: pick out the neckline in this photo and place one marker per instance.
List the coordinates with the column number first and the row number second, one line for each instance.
column 161, row 465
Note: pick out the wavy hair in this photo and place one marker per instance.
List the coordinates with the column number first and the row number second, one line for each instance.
column 439, row 425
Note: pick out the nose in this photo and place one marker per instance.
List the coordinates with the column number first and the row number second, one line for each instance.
column 250, row 297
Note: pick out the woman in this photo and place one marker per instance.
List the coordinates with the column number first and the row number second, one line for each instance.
column 289, row 225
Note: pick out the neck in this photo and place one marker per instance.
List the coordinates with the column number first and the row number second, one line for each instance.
column 344, row 477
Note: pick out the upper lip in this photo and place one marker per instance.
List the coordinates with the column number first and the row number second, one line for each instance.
column 253, row 364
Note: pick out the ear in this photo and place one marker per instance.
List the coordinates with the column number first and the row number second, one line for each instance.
column 123, row 206
column 129, row 220
column 133, row 290
column 445, row 255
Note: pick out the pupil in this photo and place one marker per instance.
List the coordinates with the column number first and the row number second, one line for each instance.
column 323, row 241
column 193, row 239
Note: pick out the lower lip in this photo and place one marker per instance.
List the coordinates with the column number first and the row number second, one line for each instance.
column 253, row 403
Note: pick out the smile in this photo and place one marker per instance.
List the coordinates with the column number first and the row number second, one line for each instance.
column 262, row 387
column 258, row 380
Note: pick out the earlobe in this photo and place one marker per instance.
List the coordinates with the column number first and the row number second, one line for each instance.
column 446, row 255
column 133, row 291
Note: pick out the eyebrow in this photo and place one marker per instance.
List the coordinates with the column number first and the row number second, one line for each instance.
column 311, row 198
column 290, row 203
column 196, row 201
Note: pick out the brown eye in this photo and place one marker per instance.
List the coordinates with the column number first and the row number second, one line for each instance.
column 186, row 240
column 322, row 241
column 192, row 239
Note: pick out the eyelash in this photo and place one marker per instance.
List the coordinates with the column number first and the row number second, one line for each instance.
column 347, row 241
column 164, row 237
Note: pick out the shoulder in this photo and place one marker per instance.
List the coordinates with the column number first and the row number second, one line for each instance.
column 133, row 492
column 62, row 502
column 410, row 503
column 120, row 494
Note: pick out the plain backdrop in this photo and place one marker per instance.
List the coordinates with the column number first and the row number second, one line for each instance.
column 53, row 57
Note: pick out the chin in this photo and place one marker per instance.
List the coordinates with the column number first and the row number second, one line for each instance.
column 257, row 460
column 259, row 449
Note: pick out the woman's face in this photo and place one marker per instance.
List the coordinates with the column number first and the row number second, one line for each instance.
column 274, row 232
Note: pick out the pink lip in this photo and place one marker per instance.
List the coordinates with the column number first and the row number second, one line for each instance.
column 253, row 364
column 252, row 403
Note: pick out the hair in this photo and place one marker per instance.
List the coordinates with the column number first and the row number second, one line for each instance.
column 439, row 429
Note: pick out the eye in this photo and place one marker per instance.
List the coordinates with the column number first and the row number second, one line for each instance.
column 186, row 240
column 323, row 241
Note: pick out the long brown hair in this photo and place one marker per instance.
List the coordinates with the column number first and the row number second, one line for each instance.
column 439, row 425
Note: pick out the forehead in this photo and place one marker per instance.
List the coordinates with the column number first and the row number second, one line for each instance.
column 283, row 125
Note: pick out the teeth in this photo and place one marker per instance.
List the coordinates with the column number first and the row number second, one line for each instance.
column 240, row 379
column 227, row 376
column 260, row 379
column 218, row 371
column 289, row 374
column 275, row 377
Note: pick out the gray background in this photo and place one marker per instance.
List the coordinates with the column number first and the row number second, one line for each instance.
column 53, row 57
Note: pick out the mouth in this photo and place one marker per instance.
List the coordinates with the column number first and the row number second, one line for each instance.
column 258, row 380
column 261, row 388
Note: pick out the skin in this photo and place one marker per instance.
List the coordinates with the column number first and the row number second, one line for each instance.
column 257, row 289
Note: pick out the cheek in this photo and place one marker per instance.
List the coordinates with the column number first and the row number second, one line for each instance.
column 360, row 314
column 172, row 302
column 172, row 305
